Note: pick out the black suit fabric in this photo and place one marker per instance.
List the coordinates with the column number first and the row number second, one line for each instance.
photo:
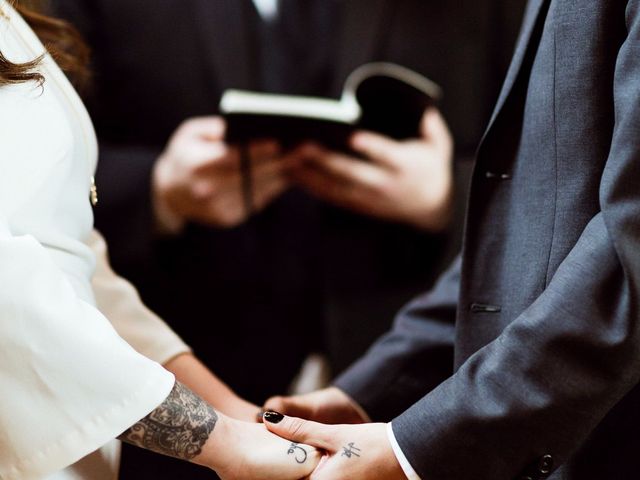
column 542, row 308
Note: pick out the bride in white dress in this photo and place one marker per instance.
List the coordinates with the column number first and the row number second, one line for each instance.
column 82, row 361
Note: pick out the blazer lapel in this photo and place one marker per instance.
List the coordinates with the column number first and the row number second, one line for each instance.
column 227, row 42
column 531, row 20
column 358, row 39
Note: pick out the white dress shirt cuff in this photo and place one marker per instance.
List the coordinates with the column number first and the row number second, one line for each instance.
column 402, row 460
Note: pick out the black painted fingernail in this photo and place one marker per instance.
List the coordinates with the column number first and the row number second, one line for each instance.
column 273, row 417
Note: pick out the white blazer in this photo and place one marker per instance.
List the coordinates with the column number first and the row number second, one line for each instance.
column 79, row 353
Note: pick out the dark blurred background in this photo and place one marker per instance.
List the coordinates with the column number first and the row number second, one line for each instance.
column 302, row 273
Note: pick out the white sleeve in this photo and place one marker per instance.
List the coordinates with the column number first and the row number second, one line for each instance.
column 69, row 383
column 119, row 301
column 408, row 470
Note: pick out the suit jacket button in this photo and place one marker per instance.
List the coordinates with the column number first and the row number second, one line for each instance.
column 545, row 465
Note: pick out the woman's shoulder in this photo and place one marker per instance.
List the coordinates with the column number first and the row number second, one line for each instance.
column 18, row 43
column 32, row 121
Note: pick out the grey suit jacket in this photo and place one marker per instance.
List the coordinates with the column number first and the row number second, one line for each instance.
column 542, row 311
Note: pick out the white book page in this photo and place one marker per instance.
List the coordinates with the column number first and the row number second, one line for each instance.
column 346, row 110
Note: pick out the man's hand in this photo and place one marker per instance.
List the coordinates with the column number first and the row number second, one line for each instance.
column 198, row 177
column 409, row 182
column 330, row 405
column 352, row 452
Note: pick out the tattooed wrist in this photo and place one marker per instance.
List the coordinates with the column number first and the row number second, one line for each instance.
column 299, row 453
column 179, row 427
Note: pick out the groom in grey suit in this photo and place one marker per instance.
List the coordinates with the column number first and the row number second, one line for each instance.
column 538, row 321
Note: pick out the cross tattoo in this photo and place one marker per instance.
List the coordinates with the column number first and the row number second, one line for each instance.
column 350, row 450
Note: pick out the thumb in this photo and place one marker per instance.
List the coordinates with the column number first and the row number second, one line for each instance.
column 299, row 431
column 433, row 127
column 377, row 148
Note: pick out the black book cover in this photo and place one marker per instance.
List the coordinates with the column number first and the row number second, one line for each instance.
column 381, row 97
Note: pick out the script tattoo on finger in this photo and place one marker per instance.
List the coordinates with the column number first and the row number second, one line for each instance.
column 299, row 453
column 179, row 427
column 351, row 450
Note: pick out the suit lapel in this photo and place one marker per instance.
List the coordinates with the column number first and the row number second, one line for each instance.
column 531, row 19
column 358, row 39
column 227, row 42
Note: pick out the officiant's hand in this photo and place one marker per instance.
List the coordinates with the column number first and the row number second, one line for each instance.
column 352, row 452
column 409, row 181
column 198, row 177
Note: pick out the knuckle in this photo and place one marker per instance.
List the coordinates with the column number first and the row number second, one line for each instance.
column 297, row 427
column 276, row 400
column 276, row 403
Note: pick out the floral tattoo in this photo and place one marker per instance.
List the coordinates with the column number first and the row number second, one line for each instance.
column 178, row 428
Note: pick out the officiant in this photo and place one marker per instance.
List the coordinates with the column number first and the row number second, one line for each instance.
column 327, row 253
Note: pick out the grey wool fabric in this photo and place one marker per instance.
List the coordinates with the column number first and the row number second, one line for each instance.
column 524, row 360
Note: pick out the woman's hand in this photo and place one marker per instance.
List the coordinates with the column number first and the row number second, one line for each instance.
column 245, row 451
column 352, row 452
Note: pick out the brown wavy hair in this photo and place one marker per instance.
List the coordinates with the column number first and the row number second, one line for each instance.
column 61, row 40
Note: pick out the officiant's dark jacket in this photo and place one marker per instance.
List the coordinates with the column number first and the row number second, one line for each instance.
column 300, row 271
column 543, row 308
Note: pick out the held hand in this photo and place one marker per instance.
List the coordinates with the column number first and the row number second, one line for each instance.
column 240, row 409
column 330, row 405
column 352, row 452
column 409, row 182
column 245, row 451
column 198, row 177
column 192, row 373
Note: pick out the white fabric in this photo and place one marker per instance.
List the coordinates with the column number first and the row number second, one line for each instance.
column 70, row 384
column 268, row 9
column 408, row 470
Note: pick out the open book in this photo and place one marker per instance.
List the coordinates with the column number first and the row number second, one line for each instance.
column 382, row 97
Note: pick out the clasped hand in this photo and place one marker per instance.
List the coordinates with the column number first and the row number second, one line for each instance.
column 198, row 177
column 248, row 451
column 352, row 450
column 290, row 448
column 408, row 181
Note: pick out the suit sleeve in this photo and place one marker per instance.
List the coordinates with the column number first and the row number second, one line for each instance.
column 119, row 301
column 555, row 372
column 415, row 357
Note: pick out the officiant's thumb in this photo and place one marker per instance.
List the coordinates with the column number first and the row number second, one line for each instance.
column 299, row 431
